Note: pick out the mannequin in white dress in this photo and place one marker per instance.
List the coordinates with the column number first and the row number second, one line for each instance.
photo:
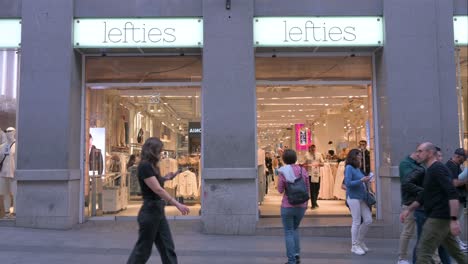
column 7, row 173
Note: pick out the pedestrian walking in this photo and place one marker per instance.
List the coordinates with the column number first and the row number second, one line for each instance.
column 412, row 187
column 356, row 191
column 407, row 166
column 292, row 214
column 313, row 161
column 454, row 165
column 440, row 201
column 153, row 226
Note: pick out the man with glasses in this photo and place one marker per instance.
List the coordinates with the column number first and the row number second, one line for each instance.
column 440, row 201
column 365, row 162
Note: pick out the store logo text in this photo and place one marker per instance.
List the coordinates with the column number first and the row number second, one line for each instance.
column 143, row 34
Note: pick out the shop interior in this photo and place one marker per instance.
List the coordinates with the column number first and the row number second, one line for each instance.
column 129, row 99
column 461, row 60
column 325, row 101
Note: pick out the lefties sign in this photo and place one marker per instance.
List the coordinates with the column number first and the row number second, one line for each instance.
column 138, row 33
column 318, row 31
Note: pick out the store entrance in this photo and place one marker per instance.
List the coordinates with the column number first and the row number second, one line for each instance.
column 128, row 100
column 325, row 101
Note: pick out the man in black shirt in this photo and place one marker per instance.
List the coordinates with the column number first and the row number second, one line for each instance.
column 454, row 165
column 365, row 162
column 440, row 201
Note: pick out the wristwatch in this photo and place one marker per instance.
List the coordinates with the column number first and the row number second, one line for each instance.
column 453, row 218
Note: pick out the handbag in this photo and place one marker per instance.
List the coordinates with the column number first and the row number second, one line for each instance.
column 369, row 199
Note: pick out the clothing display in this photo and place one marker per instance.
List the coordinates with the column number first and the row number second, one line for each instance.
column 327, row 182
column 338, row 192
column 8, row 185
column 96, row 160
column 186, row 183
column 166, row 166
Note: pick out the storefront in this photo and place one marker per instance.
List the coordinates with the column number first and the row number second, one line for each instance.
column 401, row 82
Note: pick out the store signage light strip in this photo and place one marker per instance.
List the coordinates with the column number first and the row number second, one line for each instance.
column 10, row 33
column 138, row 33
column 460, row 30
column 318, row 31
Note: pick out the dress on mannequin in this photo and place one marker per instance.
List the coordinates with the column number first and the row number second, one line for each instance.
column 7, row 174
column 121, row 134
column 338, row 192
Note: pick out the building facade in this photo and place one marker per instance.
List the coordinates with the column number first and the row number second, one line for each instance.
column 414, row 80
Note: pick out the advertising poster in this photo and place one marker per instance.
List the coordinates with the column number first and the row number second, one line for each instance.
column 303, row 137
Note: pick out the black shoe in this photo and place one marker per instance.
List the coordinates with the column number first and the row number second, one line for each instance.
column 298, row 259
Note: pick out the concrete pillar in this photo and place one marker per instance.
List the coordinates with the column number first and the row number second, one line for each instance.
column 48, row 161
column 415, row 90
column 229, row 198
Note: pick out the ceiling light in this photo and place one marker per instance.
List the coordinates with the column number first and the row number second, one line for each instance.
column 362, row 106
column 172, row 124
column 350, row 110
column 152, row 109
column 326, row 104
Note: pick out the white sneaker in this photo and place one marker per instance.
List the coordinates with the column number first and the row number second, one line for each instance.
column 403, row 261
column 364, row 247
column 356, row 249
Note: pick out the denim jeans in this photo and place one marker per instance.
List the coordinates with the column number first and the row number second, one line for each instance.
column 291, row 218
column 421, row 218
column 153, row 228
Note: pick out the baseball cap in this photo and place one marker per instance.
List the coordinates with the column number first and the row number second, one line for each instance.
column 460, row 152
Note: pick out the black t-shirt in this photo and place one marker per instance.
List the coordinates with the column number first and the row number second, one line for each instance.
column 438, row 190
column 146, row 170
column 455, row 170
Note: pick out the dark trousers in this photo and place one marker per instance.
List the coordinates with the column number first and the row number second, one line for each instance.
column 314, row 192
column 153, row 228
column 421, row 218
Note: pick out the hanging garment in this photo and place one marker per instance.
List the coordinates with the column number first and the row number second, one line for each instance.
column 187, row 184
column 327, row 182
column 338, row 192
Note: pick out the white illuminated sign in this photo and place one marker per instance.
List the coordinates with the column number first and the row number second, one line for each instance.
column 10, row 33
column 138, row 33
column 318, row 31
column 460, row 30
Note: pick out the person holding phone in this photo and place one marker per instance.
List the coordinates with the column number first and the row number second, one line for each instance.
column 152, row 222
column 356, row 191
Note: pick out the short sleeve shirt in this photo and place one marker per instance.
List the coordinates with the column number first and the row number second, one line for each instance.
column 146, row 170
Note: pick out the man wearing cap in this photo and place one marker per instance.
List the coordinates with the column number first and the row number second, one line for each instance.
column 454, row 165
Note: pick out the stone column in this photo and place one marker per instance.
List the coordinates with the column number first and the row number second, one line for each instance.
column 416, row 90
column 49, row 127
column 229, row 198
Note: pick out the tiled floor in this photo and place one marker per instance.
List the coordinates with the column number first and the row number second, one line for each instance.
column 270, row 207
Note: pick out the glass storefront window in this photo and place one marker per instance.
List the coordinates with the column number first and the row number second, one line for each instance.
column 8, row 112
column 462, row 93
column 120, row 118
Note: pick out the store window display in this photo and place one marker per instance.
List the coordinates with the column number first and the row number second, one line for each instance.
column 121, row 120
column 8, row 185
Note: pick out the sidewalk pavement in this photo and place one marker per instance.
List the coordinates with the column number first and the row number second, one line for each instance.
column 111, row 242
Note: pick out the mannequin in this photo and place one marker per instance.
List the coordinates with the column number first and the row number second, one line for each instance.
column 7, row 174
column 121, row 133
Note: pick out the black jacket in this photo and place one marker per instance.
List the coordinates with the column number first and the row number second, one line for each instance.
column 412, row 187
column 95, row 160
column 455, row 170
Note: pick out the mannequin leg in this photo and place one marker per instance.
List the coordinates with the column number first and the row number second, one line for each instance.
column 5, row 191
column 13, row 188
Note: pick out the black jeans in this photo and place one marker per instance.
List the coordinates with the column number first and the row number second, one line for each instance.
column 314, row 192
column 153, row 228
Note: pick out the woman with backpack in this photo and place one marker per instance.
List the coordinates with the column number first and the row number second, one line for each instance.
column 293, row 182
column 355, row 196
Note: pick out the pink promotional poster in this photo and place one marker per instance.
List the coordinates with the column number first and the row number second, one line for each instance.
column 303, row 137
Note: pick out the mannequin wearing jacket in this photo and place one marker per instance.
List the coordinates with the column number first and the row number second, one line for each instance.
column 7, row 174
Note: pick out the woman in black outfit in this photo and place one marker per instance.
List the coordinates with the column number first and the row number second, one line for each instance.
column 153, row 226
